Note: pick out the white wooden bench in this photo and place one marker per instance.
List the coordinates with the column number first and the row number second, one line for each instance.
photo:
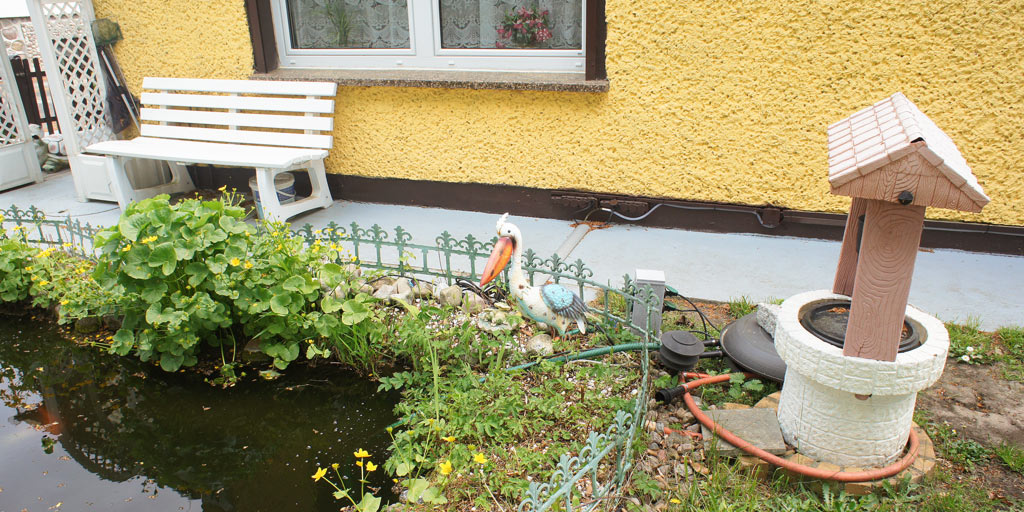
column 269, row 125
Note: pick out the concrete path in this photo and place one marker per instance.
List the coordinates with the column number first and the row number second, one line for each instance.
column 953, row 285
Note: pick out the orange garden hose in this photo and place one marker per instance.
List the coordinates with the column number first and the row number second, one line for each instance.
column 801, row 469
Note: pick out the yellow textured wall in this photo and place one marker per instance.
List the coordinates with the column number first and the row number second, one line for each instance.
column 709, row 100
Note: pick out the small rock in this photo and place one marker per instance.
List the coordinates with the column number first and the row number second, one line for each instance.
column 686, row 447
column 353, row 270
column 451, row 296
column 684, row 416
column 404, row 297
column 681, row 470
column 366, row 288
column 662, row 456
column 87, row 325
column 650, row 426
column 382, row 282
column 694, row 428
column 674, row 439
column 423, row 290
column 540, row 344
column 384, row 292
column 252, row 352
column 652, row 446
column 340, row 292
column 656, row 437
column 672, row 453
column 473, row 303
column 402, row 287
column 112, row 322
column 503, row 306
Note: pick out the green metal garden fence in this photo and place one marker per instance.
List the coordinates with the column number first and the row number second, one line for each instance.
column 589, row 480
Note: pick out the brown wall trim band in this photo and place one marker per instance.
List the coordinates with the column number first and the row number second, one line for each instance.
column 567, row 204
column 261, row 34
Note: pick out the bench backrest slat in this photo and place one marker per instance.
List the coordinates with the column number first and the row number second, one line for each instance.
column 209, row 117
column 237, row 136
column 280, row 88
column 257, row 103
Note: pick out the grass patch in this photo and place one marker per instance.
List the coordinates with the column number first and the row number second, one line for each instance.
column 969, row 345
column 1012, row 339
column 1012, row 456
column 741, row 307
column 952, row 445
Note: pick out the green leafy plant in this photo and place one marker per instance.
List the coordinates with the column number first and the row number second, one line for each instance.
column 15, row 264
column 193, row 274
column 367, row 501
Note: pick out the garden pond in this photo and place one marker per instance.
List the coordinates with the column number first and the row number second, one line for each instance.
column 84, row 430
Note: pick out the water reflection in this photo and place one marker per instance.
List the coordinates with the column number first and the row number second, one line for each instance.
column 249, row 448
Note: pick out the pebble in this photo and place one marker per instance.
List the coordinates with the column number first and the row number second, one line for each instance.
column 694, row 428
column 684, row 415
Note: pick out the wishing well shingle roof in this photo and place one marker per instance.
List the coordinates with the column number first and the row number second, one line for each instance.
column 886, row 132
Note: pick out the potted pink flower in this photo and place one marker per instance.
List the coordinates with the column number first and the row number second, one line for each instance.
column 525, row 27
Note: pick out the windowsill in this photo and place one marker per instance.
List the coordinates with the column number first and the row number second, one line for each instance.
column 565, row 82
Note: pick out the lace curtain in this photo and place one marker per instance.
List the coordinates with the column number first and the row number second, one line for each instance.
column 349, row 23
column 464, row 23
column 475, row 23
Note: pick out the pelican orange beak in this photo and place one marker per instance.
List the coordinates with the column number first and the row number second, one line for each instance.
column 499, row 259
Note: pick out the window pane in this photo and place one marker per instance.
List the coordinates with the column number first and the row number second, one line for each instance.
column 348, row 23
column 554, row 24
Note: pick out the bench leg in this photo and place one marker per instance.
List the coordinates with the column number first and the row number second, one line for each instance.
column 268, row 195
column 120, row 187
column 318, row 180
column 273, row 210
column 180, row 180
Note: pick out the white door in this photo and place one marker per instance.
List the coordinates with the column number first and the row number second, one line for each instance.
column 18, row 162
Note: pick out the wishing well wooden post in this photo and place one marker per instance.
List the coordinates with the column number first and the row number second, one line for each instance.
column 893, row 161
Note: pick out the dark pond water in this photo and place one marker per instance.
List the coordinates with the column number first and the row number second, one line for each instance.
column 81, row 430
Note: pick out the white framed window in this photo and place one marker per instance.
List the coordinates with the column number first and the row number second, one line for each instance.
column 466, row 35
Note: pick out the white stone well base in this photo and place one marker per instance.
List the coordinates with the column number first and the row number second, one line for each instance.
column 818, row 410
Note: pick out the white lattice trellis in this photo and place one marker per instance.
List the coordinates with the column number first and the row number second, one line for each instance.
column 10, row 129
column 18, row 161
column 64, row 34
column 69, row 31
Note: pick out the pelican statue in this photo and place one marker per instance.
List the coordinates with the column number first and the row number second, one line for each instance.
column 550, row 304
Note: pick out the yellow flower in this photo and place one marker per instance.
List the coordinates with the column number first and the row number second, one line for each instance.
column 28, row 269
column 334, row 466
column 44, row 282
column 370, row 467
column 235, row 262
column 450, row 439
column 148, row 240
column 64, row 302
column 361, row 454
column 248, row 265
column 320, row 472
column 445, row 467
column 673, row 500
column 389, row 429
column 480, row 458
column 223, row 188
column 359, row 463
